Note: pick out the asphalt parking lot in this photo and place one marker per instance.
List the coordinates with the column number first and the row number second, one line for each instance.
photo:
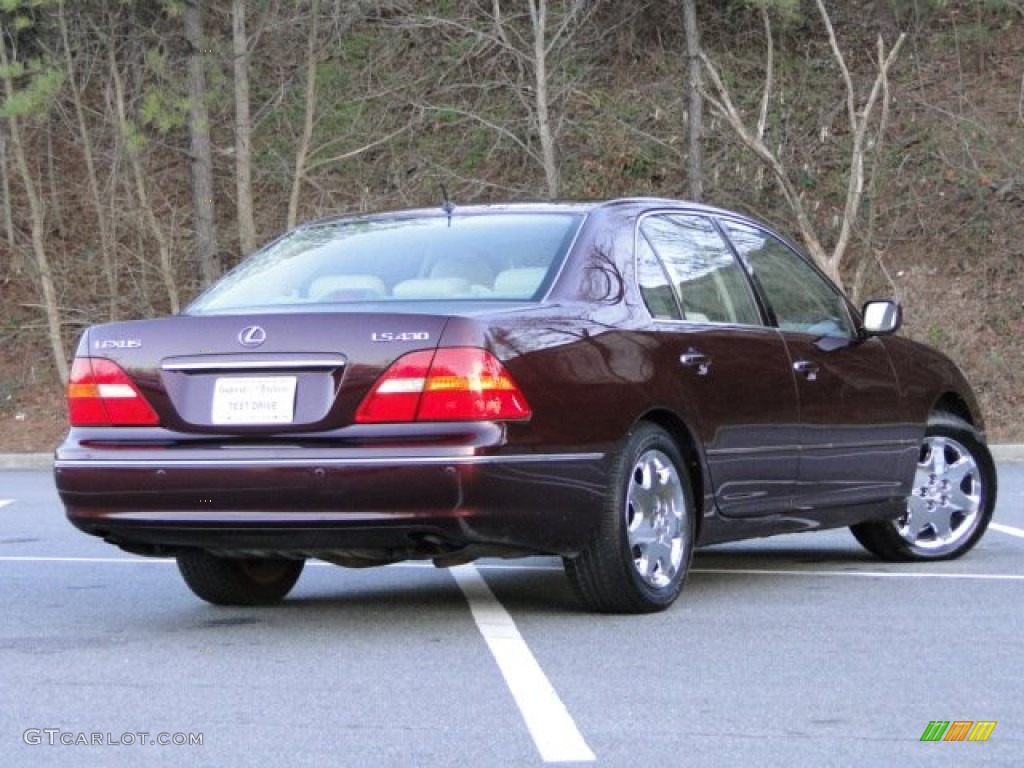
column 793, row 651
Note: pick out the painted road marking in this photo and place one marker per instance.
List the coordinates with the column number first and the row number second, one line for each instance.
column 1008, row 529
column 806, row 572
column 863, row 574
column 553, row 730
column 129, row 560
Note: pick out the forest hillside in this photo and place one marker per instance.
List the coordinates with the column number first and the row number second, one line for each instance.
column 146, row 146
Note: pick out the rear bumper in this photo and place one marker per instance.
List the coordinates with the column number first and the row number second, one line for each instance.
column 315, row 503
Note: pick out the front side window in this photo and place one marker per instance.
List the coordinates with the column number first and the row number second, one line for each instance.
column 803, row 301
column 507, row 256
column 709, row 283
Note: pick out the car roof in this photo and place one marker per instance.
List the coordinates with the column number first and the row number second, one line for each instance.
column 474, row 209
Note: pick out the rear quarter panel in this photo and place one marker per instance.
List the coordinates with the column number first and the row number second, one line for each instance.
column 586, row 377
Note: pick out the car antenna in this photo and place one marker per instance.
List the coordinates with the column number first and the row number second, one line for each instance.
column 446, row 204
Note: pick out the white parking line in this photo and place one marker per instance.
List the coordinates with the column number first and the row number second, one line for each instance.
column 805, row 572
column 1008, row 529
column 549, row 722
column 119, row 560
column 864, row 574
column 5, row 502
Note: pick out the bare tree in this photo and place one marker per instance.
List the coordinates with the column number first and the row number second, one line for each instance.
column 88, row 155
column 539, row 25
column 695, row 112
column 5, row 189
column 535, row 58
column 132, row 140
column 243, row 129
column 537, row 43
column 14, row 109
column 310, row 156
column 200, row 152
column 859, row 119
column 309, row 115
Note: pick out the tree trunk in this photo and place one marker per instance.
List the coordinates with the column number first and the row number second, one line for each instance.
column 95, row 199
column 36, row 221
column 538, row 19
column 5, row 188
column 695, row 111
column 201, row 153
column 302, row 150
column 243, row 130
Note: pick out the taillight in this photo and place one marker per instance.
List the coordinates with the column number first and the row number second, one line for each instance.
column 451, row 384
column 101, row 394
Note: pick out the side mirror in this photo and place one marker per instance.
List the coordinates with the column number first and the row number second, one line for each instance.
column 882, row 317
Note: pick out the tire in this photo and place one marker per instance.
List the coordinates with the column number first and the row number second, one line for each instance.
column 951, row 502
column 230, row 581
column 639, row 555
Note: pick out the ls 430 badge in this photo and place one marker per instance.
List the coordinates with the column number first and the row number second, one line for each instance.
column 403, row 336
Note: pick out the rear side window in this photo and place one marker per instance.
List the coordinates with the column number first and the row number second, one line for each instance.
column 701, row 269
column 507, row 256
column 654, row 282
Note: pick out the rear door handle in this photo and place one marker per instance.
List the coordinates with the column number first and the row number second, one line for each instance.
column 807, row 369
column 694, row 359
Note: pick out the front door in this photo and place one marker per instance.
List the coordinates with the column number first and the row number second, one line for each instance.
column 856, row 446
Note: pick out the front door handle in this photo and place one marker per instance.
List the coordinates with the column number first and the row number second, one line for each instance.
column 807, row 369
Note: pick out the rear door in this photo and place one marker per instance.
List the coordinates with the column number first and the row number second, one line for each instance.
column 856, row 441
column 731, row 372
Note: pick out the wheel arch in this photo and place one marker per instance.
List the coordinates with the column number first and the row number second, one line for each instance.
column 953, row 404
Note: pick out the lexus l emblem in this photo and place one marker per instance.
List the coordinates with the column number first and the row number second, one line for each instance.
column 252, row 336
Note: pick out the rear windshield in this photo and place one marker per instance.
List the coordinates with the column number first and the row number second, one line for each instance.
column 506, row 256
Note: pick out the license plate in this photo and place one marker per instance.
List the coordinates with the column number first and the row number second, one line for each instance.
column 254, row 400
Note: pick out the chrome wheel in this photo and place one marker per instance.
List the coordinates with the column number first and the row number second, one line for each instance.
column 950, row 501
column 655, row 519
column 637, row 558
column 943, row 508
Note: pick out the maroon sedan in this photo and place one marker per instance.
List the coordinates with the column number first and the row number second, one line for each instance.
column 614, row 383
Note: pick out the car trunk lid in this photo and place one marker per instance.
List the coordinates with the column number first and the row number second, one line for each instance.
column 260, row 374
